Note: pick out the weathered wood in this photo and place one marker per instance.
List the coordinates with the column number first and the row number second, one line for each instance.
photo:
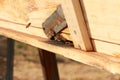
column 103, row 61
column 76, row 23
column 103, row 19
column 6, row 58
column 49, row 65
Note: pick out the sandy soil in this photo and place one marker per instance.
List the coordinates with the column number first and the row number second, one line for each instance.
column 27, row 67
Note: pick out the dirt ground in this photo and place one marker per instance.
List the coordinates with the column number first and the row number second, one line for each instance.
column 27, row 67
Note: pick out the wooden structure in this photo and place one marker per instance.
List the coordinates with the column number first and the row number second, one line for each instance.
column 93, row 27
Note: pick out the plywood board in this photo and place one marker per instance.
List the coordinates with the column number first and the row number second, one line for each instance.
column 14, row 13
column 103, row 19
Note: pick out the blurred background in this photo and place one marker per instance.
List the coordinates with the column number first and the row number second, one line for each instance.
column 27, row 67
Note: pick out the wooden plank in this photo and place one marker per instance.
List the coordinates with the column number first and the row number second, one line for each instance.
column 103, row 19
column 31, row 30
column 76, row 24
column 99, row 60
column 107, row 48
column 49, row 65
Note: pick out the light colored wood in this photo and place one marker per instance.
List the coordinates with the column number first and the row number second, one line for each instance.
column 107, row 48
column 25, row 12
column 103, row 19
column 101, row 61
column 76, row 23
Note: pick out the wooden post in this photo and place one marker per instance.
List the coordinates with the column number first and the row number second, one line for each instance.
column 6, row 58
column 49, row 65
column 10, row 59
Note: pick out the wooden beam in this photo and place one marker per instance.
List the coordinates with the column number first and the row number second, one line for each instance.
column 99, row 60
column 76, row 23
column 49, row 65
